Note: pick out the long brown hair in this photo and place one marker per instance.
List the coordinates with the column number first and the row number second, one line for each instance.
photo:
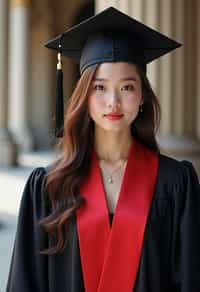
column 64, row 178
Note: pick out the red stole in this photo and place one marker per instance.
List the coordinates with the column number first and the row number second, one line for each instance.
column 110, row 255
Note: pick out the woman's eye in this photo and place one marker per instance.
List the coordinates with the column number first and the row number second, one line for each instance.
column 128, row 87
column 99, row 87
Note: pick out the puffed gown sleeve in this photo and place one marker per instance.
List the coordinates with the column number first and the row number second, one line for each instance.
column 186, row 232
column 28, row 269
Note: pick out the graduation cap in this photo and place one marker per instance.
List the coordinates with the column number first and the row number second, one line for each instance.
column 109, row 36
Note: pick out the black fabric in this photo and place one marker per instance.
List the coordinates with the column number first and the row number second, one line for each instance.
column 112, row 47
column 111, row 218
column 170, row 258
column 59, row 104
column 84, row 42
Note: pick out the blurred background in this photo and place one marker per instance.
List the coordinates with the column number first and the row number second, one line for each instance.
column 27, row 88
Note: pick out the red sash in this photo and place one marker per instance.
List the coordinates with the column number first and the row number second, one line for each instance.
column 110, row 255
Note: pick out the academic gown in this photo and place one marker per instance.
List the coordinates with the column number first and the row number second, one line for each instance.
column 170, row 258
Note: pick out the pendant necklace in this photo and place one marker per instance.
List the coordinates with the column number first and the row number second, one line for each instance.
column 109, row 177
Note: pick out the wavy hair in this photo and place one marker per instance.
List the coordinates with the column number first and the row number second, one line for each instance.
column 66, row 174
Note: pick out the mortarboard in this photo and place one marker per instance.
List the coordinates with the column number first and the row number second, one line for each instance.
column 109, row 36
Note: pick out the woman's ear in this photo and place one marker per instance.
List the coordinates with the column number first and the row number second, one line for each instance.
column 142, row 101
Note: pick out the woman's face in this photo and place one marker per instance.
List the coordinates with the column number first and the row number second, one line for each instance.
column 115, row 96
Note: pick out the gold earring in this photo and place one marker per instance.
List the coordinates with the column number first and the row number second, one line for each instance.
column 141, row 108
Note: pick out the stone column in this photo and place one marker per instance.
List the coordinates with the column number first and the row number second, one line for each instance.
column 125, row 6
column 179, row 68
column 42, row 73
column 102, row 4
column 19, row 73
column 137, row 10
column 178, row 135
column 198, row 66
column 7, row 147
column 151, row 18
column 165, row 77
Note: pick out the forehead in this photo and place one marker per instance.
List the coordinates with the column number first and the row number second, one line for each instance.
column 120, row 69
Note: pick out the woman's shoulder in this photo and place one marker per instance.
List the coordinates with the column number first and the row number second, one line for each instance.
column 176, row 176
column 174, row 168
column 34, row 192
column 37, row 176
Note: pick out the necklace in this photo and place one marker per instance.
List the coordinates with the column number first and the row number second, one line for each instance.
column 109, row 177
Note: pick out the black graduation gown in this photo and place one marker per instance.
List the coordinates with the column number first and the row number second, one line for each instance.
column 170, row 258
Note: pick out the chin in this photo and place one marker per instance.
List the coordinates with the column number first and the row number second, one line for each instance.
column 114, row 129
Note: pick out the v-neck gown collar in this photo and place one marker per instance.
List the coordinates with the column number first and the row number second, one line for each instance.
column 114, row 250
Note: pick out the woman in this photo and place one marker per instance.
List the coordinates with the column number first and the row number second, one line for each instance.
column 111, row 168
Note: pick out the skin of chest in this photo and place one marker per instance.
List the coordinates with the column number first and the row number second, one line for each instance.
column 112, row 190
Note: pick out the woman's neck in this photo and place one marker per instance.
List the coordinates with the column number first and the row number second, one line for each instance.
column 112, row 146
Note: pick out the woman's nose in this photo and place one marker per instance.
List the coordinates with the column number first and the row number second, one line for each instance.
column 114, row 101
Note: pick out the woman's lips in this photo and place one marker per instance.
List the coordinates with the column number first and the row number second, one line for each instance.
column 114, row 117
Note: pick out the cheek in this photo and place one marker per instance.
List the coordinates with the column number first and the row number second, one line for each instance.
column 94, row 103
column 132, row 101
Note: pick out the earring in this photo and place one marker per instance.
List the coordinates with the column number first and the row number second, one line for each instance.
column 141, row 108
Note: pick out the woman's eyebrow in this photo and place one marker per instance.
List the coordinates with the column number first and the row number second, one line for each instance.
column 122, row 79
column 99, row 79
column 129, row 79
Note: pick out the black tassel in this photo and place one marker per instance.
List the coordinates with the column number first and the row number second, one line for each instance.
column 59, row 98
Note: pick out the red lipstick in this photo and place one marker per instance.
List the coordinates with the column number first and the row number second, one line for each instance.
column 114, row 116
